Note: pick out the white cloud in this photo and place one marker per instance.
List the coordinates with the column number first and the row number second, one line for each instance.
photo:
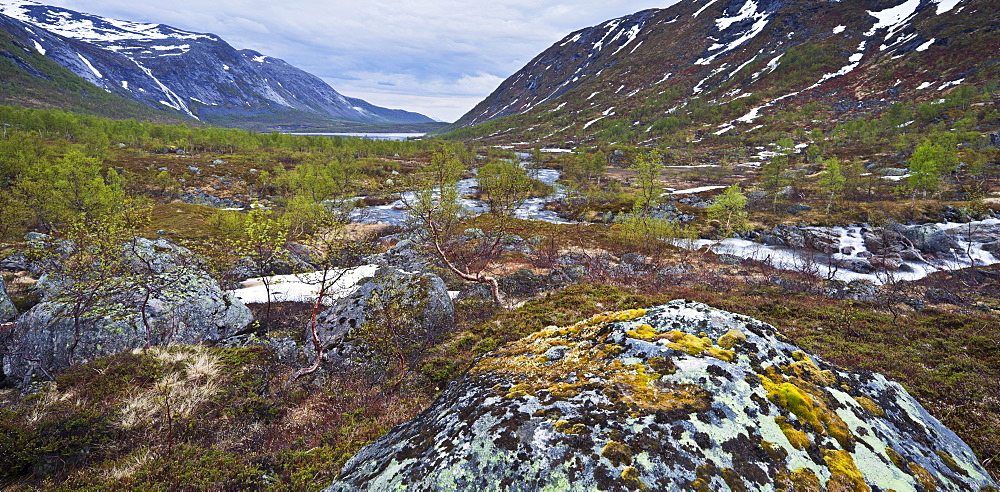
column 445, row 56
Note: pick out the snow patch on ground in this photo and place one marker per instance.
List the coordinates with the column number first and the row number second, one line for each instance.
column 926, row 45
column 946, row 5
column 39, row 47
column 839, row 29
column 893, row 18
column 304, row 287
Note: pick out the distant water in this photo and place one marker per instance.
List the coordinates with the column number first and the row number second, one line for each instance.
column 373, row 136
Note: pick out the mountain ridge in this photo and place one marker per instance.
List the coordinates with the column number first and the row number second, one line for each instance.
column 741, row 59
column 195, row 74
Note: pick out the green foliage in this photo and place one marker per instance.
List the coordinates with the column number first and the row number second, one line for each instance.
column 650, row 235
column 504, row 186
column 730, row 209
column 647, row 167
column 932, row 159
column 832, row 181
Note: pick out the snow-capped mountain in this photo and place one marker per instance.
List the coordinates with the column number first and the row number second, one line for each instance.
column 645, row 75
column 196, row 74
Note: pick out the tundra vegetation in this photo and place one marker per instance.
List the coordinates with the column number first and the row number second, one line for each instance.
column 249, row 416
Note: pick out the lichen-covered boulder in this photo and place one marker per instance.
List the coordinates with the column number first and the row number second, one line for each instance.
column 418, row 300
column 677, row 397
column 7, row 310
column 164, row 298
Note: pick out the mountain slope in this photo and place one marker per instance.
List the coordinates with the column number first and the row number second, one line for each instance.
column 199, row 75
column 33, row 80
column 729, row 63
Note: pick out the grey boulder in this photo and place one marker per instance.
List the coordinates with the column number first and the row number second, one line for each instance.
column 184, row 305
column 677, row 397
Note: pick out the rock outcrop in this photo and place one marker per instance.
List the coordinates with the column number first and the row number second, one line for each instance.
column 184, row 305
column 7, row 310
column 677, row 397
column 418, row 303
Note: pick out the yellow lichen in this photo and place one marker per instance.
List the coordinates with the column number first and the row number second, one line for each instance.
column 844, row 473
column 700, row 485
column 924, row 478
column 731, row 339
column 617, row 453
column 870, row 405
column 797, row 438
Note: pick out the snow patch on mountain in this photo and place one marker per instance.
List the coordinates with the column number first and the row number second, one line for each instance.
column 90, row 66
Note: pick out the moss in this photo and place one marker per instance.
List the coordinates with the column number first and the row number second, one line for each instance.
column 800, row 480
column 776, row 452
column 731, row 339
column 924, row 478
column 797, row 438
column 643, row 331
column 618, row 453
column 844, row 473
column 733, row 480
column 950, row 462
column 631, row 477
column 567, row 427
column 870, row 405
column 662, row 365
column 896, row 458
column 809, row 407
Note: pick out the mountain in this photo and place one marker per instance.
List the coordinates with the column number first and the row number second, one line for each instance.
column 194, row 74
column 706, row 67
column 31, row 79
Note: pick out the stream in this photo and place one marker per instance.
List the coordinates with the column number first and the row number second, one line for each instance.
column 531, row 209
column 974, row 244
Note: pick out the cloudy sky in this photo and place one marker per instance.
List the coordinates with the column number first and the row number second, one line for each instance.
column 436, row 57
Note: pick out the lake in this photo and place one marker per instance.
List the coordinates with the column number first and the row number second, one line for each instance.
column 373, row 136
